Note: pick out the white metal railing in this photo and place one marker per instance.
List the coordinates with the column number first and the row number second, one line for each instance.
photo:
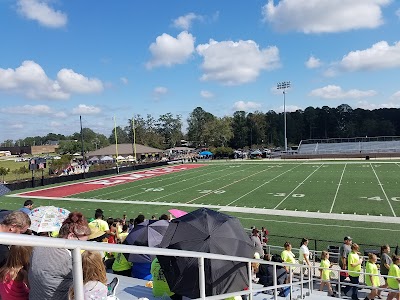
column 76, row 247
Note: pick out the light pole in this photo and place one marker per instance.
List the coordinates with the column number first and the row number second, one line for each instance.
column 283, row 86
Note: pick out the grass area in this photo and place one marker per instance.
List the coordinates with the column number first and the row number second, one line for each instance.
column 354, row 188
column 15, row 165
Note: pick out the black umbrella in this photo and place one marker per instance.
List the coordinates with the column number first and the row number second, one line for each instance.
column 205, row 230
column 150, row 234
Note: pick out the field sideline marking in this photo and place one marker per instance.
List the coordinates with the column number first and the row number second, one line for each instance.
column 262, row 185
column 380, row 184
column 298, row 186
column 338, row 187
column 229, row 184
column 316, row 224
column 259, row 211
column 173, row 183
column 149, row 181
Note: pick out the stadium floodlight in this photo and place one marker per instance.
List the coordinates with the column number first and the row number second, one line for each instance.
column 283, row 86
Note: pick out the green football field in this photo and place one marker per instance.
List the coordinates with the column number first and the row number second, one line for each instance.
column 319, row 200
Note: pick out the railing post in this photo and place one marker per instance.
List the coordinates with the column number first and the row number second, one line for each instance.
column 302, row 269
column 291, row 281
column 250, row 280
column 77, row 273
column 202, row 278
column 275, row 282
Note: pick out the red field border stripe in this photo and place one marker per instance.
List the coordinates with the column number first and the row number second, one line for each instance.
column 81, row 187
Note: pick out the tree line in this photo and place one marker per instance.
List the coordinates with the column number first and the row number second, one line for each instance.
column 255, row 129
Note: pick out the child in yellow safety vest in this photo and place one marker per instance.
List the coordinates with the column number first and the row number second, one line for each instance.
column 325, row 273
column 372, row 280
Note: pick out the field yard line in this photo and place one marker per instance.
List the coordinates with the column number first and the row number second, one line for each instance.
column 320, row 224
column 381, row 185
column 338, row 187
column 244, row 210
column 288, row 195
column 195, row 185
column 173, row 183
column 261, row 185
column 228, row 185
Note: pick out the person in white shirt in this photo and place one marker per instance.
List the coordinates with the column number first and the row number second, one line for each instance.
column 304, row 253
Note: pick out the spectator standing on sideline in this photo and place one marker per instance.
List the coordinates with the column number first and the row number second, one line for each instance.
column 15, row 222
column 257, row 242
column 393, row 283
column 28, row 205
column 325, row 273
column 386, row 261
column 304, row 253
column 354, row 266
column 344, row 252
column 288, row 257
column 372, row 280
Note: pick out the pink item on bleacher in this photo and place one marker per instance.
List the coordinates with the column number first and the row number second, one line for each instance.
column 177, row 213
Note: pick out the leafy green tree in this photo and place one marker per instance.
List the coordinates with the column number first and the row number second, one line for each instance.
column 122, row 136
column 170, row 128
column 218, row 131
column 197, row 121
column 240, row 130
column 4, row 171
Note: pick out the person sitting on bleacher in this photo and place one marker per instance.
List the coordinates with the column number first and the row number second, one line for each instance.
column 266, row 272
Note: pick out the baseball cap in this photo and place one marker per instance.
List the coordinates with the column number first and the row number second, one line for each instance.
column 348, row 238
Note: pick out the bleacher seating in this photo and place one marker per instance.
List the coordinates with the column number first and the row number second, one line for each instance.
column 356, row 145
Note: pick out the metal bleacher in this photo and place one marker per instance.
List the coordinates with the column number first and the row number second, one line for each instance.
column 350, row 145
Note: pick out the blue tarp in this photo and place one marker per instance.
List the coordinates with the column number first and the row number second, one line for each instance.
column 204, row 153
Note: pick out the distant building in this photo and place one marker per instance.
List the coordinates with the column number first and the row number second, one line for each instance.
column 34, row 150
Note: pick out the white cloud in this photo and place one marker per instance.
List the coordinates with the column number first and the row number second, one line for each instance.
column 289, row 108
column 206, row 94
column 313, row 63
column 235, row 63
column 168, row 51
column 124, row 80
column 76, row 83
column 246, row 106
column 30, row 80
column 60, row 114
column 159, row 91
column 185, row 22
column 39, row 10
column 27, row 110
column 398, row 12
column 17, row 126
column 380, row 56
column 55, row 124
column 83, row 109
column 317, row 16
column 372, row 106
column 396, row 96
column 336, row 92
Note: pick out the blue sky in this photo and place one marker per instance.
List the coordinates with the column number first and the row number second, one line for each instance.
column 61, row 59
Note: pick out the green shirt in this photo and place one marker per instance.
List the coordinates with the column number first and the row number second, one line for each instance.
column 394, row 271
column 352, row 259
column 372, row 269
column 160, row 284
